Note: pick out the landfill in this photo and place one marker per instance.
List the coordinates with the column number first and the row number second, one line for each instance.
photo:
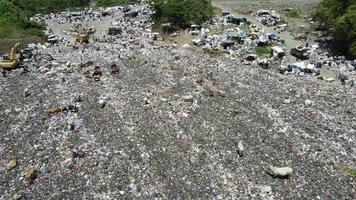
column 132, row 115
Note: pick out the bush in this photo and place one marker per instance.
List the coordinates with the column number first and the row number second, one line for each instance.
column 353, row 172
column 262, row 50
column 182, row 13
column 339, row 18
column 293, row 14
column 345, row 31
column 14, row 21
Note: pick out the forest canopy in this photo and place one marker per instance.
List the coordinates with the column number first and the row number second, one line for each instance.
column 182, row 13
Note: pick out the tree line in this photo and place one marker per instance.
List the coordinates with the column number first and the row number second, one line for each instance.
column 182, row 13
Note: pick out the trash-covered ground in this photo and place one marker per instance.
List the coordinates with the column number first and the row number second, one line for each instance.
column 243, row 6
column 129, row 116
column 265, row 42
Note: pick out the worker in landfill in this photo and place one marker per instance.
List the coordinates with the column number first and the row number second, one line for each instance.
column 97, row 73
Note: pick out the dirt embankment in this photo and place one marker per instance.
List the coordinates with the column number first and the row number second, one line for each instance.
column 7, row 43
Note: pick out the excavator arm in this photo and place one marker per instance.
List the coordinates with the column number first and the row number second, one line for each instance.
column 13, row 51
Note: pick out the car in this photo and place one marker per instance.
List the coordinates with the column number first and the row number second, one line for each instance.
column 300, row 53
column 52, row 39
column 237, row 20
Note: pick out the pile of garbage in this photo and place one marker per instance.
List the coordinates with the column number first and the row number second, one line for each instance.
column 231, row 36
column 88, row 15
column 125, row 36
column 238, row 39
column 310, row 60
column 300, row 68
column 268, row 18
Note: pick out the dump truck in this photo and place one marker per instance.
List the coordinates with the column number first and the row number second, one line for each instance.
column 83, row 33
column 11, row 60
column 131, row 14
column 237, row 20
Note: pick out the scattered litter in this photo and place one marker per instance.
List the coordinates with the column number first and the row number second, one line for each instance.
column 280, row 171
column 240, row 148
column 11, row 165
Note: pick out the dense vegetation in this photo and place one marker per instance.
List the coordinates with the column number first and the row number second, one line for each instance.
column 339, row 17
column 182, row 13
column 14, row 21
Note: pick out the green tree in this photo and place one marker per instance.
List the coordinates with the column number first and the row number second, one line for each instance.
column 182, row 13
column 14, row 21
column 345, row 32
column 339, row 18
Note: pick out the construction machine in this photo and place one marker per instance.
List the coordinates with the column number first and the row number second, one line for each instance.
column 82, row 37
column 11, row 60
column 83, row 33
column 90, row 30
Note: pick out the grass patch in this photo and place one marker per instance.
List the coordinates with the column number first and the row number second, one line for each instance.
column 141, row 61
column 10, row 31
column 352, row 172
column 262, row 50
column 212, row 52
column 293, row 14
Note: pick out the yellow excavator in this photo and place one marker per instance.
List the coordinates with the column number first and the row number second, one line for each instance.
column 11, row 60
column 83, row 33
column 82, row 37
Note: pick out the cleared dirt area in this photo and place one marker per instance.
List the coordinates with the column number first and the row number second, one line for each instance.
column 6, row 44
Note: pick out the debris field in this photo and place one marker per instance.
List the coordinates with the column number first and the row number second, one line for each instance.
column 129, row 116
